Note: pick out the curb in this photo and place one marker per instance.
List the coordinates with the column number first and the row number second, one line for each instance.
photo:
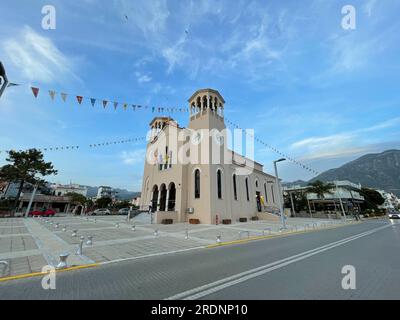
column 37, row 274
column 211, row 246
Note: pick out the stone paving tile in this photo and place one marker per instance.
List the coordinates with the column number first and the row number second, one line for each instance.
column 13, row 230
column 17, row 243
column 226, row 233
column 140, row 248
column 103, row 235
column 23, row 265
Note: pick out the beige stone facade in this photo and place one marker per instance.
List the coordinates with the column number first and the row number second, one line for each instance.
column 191, row 173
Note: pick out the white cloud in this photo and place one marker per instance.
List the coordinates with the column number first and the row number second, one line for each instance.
column 142, row 78
column 37, row 58
column 341, row 144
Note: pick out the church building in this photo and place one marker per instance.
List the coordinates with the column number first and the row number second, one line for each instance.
column 191, row 175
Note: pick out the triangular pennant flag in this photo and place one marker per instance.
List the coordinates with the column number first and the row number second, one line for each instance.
column 79, row 98
column 115, row 105
column 105, row 103
column 35, row 91
column 92, row 101
column 64, row 96
column 125, row 106
column 133, row 107
column 52, row 94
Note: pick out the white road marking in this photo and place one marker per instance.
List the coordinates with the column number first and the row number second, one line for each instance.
column 219, row 285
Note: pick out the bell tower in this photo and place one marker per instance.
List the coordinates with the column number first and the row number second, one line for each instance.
column 206, row 107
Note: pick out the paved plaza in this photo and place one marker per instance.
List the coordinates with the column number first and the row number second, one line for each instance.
column 28, row 244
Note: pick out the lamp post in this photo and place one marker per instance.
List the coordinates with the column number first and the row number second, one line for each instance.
column 3, row 78
column 280, row 192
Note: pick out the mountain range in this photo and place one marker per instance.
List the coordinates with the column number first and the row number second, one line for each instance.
column 375, row 170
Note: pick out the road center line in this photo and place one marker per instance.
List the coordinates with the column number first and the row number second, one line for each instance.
column 219, row 285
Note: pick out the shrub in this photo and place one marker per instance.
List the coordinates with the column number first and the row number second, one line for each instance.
column 242, row 219
column 226, row 221
column 194, row 221
column 167, row 221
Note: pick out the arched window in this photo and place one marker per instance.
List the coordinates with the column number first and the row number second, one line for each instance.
column 256, row 183
column 154, row 199
column 219, row 184
column 265, row 190
column 163, row 197
column 171, row 197
column 234, row 187
column 197, row 184
column 247, row 189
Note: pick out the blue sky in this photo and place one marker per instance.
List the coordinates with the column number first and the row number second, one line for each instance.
column 317, row 92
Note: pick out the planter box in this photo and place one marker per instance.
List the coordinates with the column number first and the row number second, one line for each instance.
column 242, row 219
column 194, row 221
column 255, row 218
column 167, row 221
column 226, row 221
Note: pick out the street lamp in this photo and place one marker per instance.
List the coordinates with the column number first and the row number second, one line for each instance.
column 280, row 193
column 3, row 78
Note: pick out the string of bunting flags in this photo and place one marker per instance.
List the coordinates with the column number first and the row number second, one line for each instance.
column 93, row 145
column 274, row 149
column 105, row 103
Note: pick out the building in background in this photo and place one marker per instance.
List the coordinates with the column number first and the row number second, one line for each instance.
column 211, row 190
column 57, row 203
column 61, row 190
column 136, row 201
column 391, row 200
column 106, row 192
column 346, row 196
column 3, row 189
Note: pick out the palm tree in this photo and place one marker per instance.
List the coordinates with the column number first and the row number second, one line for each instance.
column 320, row 188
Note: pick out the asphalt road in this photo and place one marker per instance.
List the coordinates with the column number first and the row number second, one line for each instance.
column 303, row 266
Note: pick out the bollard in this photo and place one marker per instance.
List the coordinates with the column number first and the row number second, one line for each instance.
column 63, row 260
column 269, row 231
column 186, row 234
column 117, row 225
column 218, row 239
column 74, row 233
column 57, row 225
column 80, row 246
column 5, row 268
column 315, row 226
column 133, row 228
column 89, row 242
column 156, row 232
column 240, row 234
column 64, row 228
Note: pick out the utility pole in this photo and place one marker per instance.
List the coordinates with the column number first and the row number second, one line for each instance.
column 280, row 193
column 31, row 200
column 341, row 202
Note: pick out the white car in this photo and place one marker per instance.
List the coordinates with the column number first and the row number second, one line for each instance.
column 394, row 215
column 99, row 212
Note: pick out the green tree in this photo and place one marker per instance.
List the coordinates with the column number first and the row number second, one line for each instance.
column 103, row 202
column 26, row 166
column 373, row 199
column 320, row 188
column 77, row 198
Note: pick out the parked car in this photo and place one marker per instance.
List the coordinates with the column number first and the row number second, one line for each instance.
column 394, row 215
column 99, row 212
column 123, row 211
column 42, row 213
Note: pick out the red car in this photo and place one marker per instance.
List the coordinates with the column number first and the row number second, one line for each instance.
column 43, row 213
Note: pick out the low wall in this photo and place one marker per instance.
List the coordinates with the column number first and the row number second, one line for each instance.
column 161, row 215
column 268, row 216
